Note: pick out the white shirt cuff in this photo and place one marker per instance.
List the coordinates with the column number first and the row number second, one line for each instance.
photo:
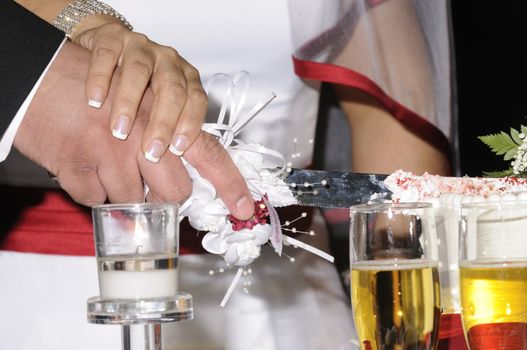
column 9, row 135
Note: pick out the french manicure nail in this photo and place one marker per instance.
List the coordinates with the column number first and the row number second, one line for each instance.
column 120, row 130
column 155, row 150
column 95, row 100
column 95, row 104
column 179, row 145
column 245, row 208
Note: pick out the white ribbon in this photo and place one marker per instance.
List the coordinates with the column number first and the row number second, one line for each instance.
column 309, row 248
column 276, row 235
column 231, row 287
column 234, row 100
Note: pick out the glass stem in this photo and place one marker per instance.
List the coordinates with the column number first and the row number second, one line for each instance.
column 142, row 337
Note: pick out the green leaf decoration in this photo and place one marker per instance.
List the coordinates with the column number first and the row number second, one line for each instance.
column 502, row 173
column 515, row 137
column 503, row 144
column 510, row 154
column 499, row 143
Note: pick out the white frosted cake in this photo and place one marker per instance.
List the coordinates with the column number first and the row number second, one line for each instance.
column 452, row 191
column 447, row 194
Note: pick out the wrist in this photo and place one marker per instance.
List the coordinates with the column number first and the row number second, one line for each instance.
column 92, row 12
column 91, row 22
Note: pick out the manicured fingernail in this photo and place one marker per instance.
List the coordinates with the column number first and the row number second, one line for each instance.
column 244, row 208
column 155, row 150
column 179, row 145
column 96, row 98
column 120, row 130
column 95, row 104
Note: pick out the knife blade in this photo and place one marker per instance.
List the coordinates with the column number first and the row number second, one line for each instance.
column 336, row 189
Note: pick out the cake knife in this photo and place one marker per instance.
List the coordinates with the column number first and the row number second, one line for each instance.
column 336, row 189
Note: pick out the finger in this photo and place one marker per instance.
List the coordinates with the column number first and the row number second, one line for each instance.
column 119, row 175
column 213, row 162
column 167, row 180
column 169, row 86
column 106, row 48
column 136, row 69
column 82, row 183
column 192, row 116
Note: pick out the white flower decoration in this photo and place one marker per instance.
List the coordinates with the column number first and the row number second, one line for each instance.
column 262, row 169
column 240, row 248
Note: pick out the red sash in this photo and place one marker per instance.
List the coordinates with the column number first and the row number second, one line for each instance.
column 49, row 222
column 451, row 335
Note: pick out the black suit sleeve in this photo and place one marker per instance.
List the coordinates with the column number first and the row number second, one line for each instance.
column 27, row 44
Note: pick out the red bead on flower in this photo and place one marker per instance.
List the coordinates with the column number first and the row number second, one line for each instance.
column 261, row 213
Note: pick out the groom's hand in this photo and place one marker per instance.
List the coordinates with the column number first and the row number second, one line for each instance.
column 64, row 135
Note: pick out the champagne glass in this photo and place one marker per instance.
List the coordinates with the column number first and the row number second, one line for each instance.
column 493, row 274
column 395, row 290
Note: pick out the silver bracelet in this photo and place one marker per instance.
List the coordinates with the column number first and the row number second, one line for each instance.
column 73, row 13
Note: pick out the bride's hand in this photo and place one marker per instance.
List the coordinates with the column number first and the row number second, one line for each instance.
column 180, row 103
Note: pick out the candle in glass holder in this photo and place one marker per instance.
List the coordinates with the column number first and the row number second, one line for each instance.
column 137, row 250
column 137, row 277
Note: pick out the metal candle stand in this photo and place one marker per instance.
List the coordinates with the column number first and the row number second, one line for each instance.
column 141, row 319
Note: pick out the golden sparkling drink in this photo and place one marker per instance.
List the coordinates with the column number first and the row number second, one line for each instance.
column 396, row 304
column 494, row 302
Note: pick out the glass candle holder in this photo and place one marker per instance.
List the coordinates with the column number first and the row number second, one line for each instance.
column 137, row 250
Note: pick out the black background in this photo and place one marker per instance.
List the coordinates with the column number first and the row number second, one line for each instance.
column 490, row 48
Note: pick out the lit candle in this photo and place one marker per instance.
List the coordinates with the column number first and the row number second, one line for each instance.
column 137, row 250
